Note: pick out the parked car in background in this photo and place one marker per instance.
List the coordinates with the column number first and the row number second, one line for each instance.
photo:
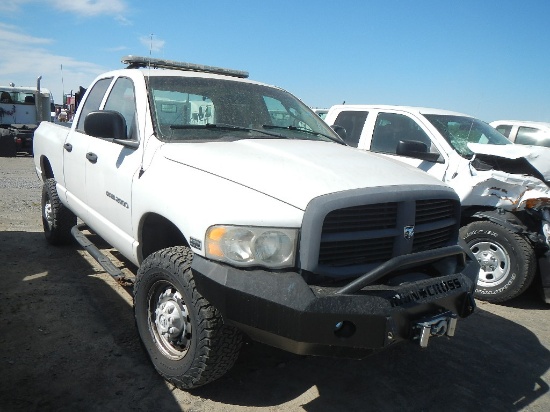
column 522, row 132
column 322, row 113
column 503, row 187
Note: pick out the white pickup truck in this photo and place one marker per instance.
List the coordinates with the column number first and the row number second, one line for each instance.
column 503, row 187
column 247, row 215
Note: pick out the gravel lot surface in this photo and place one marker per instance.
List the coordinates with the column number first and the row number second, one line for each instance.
column 68, row 343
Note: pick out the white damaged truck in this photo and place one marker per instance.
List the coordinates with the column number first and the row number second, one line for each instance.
column 248, row 217
column 503, row 187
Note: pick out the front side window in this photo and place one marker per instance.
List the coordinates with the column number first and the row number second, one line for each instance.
column 352, row 122
column 458, row 131
column 93, row 101
column 533, row 136
column 122, row 99
column 188, row 108
column 391, row 128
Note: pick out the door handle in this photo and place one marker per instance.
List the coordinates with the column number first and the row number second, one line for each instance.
column 92, row 157
column 68, row 147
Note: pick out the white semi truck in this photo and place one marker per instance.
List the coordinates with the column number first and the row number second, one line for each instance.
column 21, row 111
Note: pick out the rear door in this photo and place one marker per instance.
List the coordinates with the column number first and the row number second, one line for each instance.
column 76, row 149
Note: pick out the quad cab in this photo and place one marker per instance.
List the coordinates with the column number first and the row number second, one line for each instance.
column 248, row 216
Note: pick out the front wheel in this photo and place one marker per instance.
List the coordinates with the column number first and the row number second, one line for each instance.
column 507, row 261
column 184, row 335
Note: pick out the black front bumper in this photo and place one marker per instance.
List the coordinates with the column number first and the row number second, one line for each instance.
column 280, row 309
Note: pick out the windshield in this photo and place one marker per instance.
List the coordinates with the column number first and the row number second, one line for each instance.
column 15, row 97
column 203, row 109
column 461, row 130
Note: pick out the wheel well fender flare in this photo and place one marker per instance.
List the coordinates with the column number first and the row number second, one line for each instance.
column 157, row 232
column 46, row 168
column 499, row 216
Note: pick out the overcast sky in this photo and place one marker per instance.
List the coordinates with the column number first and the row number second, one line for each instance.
column 490, row 59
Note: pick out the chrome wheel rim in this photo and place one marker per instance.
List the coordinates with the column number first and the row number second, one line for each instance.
column 494, row 263
column 48, row 214
column 169, row 320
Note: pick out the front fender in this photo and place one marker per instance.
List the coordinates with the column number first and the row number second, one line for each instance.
column 194, row 200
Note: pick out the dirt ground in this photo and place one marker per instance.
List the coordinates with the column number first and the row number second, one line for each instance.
column 68, row 342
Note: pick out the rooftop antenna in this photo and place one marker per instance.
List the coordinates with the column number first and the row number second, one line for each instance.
column 62, row 87
column 150, row 49
column 141, row 170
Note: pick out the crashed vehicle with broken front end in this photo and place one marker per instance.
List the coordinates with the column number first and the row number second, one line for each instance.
column 247, row 215
column 503, row 187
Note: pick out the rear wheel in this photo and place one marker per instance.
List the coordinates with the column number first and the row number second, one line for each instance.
column 507, row 260
column 8, row 148
column 184, row 335
column 57, row 220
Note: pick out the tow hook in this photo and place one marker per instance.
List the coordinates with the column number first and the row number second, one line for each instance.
column 439, row 325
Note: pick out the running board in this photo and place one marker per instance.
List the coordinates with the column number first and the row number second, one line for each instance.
column 103, row 260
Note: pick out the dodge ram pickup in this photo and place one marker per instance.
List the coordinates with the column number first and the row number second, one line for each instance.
column 247, row 216
column 503, row 187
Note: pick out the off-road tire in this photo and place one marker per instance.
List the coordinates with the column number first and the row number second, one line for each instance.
column 57, row 220
column 508, row 262
column 201, row 348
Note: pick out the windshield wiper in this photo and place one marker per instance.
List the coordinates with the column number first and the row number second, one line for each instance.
column 304, row 130
column 223, row 126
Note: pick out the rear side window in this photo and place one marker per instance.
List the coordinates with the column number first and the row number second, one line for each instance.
column 504, row 129
column 93, row 101
column 353, row 122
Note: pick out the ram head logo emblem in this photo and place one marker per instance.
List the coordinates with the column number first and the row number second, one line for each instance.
column 408, row 232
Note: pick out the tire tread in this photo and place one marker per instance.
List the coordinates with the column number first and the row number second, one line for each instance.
column 64, row 219
column 525, row 252
column 218, row 345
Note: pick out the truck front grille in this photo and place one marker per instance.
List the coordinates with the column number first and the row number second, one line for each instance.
column 359, row 218
column 354, row 252
column 432, row 239
column 359, row 236
column 432, row 210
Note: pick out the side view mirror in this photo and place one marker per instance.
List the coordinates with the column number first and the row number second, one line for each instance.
column 416, row 149
column 340, row 131
column 105, row 124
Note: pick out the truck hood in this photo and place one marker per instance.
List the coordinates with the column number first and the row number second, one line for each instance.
column 537, row 156
column 295, row 171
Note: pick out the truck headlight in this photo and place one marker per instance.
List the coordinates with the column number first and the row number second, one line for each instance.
column 252, row 246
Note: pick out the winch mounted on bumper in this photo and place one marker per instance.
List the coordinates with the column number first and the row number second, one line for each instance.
column 282, row 310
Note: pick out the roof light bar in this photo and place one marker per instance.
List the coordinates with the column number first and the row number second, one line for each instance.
column 135, row 62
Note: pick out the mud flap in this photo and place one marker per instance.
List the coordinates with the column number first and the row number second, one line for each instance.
column 544, row 269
